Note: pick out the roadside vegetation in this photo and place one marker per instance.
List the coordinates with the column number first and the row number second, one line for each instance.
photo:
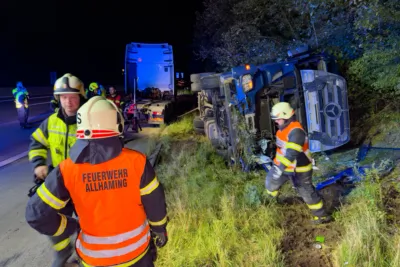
column 220, row 216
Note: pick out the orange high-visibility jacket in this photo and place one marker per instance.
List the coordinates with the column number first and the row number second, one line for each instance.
column 117, row 201
column 284, row 144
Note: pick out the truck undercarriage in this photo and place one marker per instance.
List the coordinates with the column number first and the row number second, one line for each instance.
column 235, row 106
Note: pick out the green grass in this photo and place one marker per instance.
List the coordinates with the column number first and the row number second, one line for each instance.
column 367, row 240
column 216, row 213
column 220, row 216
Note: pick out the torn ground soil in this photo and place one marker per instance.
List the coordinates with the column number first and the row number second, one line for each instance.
column 300, row 234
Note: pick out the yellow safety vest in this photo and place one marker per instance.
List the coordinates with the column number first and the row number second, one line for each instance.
column 60, row 139
column 17, row 95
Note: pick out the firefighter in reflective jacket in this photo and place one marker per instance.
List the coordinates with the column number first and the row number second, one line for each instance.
column 57, row 134
column 293, row 162
column 92, row 90
column 115, row 191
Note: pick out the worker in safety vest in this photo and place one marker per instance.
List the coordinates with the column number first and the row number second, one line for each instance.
column 92, row 90
column 293, row 162
column 120, row 201
column 57, row 134
column 21, row 97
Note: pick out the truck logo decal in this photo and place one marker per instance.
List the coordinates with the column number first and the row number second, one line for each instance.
column 333, row 110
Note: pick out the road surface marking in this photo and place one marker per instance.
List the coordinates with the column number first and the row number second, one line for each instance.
column 29, row 119
column 9, row 100
column 14, row 158
column 41, row 103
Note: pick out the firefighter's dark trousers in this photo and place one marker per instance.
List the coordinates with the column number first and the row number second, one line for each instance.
column 62, row 244
column 23, row 114
column 302, row 181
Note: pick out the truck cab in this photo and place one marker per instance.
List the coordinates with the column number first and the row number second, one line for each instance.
column 307, row 80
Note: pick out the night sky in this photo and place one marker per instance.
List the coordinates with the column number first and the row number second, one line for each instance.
column 88, row 38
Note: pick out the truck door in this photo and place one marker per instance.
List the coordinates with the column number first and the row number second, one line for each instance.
column 327, row 109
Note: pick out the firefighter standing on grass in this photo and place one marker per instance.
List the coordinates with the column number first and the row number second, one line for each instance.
column 293, row 162
column 115, row 191
column 57, row 134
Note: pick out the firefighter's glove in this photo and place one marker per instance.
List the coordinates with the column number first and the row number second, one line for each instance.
column 160, row 239
column 275, row 172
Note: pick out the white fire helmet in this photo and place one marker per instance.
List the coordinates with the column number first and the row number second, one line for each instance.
column 282, row 110
column 99, row 118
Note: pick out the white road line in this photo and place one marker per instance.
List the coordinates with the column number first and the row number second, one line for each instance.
column 34, row 118
column 33, row 97
column 41, row 103
column 14, row 158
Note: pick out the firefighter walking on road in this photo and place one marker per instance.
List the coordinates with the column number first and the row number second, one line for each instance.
column 115, row 191
column 21, row 97
column 57, row 134
column 293, row 162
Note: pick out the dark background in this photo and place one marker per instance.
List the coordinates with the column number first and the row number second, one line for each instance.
column 88, row 38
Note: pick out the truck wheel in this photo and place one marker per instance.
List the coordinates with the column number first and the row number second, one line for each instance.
column 210, row 82
column 198, row 123
column 168, row 111
column 199, row 130
column 209, row 113
column 195, row 87
column 195, row 78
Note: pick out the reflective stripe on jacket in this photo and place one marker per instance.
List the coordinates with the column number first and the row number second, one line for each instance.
column 294, row 155
column 53, row 134
column 113, row 215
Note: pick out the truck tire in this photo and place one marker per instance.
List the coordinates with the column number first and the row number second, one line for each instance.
column 199, row 130
column 195, row 78
column 195, row 87
column 198, row 123
column 168, row 114
column 210, row 82
column 209, row 113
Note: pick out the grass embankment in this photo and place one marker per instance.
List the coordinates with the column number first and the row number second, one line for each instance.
column 216, row 214
column 220, row 216
column 370, row 215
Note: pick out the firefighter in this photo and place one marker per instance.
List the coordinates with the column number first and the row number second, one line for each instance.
column 114, row 96
column 92, row 90
column 21, row 97
column 293, row 162
column 120, row 201
column 57, row 134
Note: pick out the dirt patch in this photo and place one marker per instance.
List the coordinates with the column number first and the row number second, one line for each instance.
column 391, row 203
column 299, row 241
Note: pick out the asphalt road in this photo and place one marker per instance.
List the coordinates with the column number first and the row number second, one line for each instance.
column 37, row 106
column 20, row 245
column 14, row 141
